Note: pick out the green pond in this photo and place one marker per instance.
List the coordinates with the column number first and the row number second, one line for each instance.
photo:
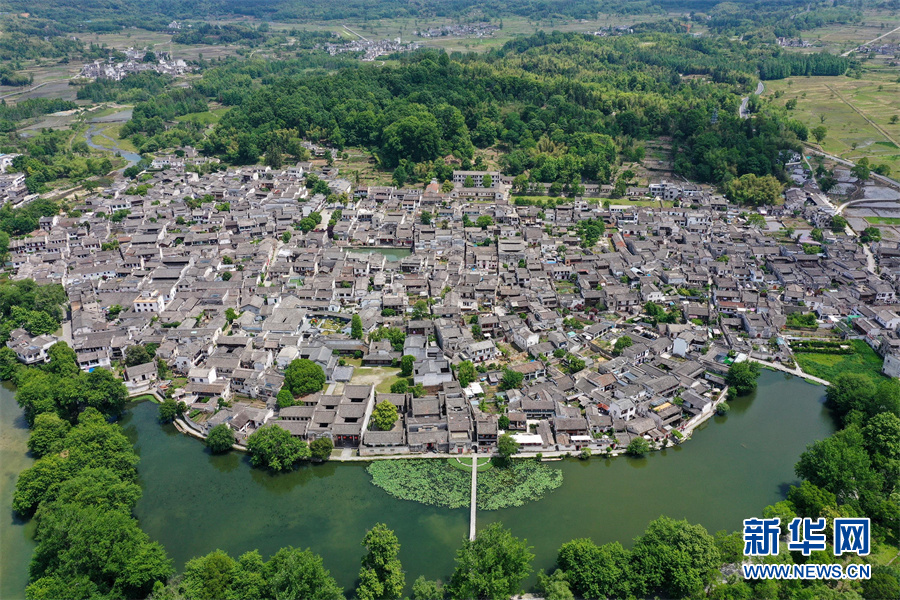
column 194, row 502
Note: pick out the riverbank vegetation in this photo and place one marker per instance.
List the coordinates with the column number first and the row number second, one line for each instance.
column 81, row 492
column 831, row 361
column 741, row 378
column 435, row 482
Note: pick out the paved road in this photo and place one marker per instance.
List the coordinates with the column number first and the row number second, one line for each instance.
column 845, row 162
column 849, row 52
column 742, row 111
column 472, row 503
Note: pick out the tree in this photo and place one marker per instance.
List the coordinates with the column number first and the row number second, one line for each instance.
column 48, row 434
column 285, row 398
column 303, row 377
column 400, row 386
column 476, row 331
column 574, row 364
column 469, row 182
column 819, row 132
column 274, row 448
column 420, row 310
column 9, row 363
column 638, row 447
column 356, row 327
column 295, row 573
column 381, row 575
column 507, row 446
column 425, row 217
column 511, row 379
column 465, row 373
column 503, row 422
column 220, row 439
column 596, row 571
column 754, row 190
column 622, row 343
column 63, row 360
column 286, row 237
column 555, row 586
column 862, row 170
column 384, row 415
column 741, row 377
column 424, row 589
column 838, row 224
column 400, row 176
column 168, row 411
column 68, row 536
column 208, row 577
column 136, row 355
column 840, row 465
column 492, row 566
column 674, row 559
column 227, row 275
column 484, row 221
column 487, row 181
column 406, row 365
column 870, row 234
column 321, row 447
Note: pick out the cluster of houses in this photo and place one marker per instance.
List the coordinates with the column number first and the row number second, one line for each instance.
column 133, row 63
column 220, row 276
column 481, row 29
column 370, row 50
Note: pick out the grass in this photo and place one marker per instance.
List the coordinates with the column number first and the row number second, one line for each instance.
column 829, row 366
column 465, row 463
column 143, row 398
column 883, row 553
column 209, row 117
column 883, row 220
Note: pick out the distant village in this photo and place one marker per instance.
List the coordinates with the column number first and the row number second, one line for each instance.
column 370, row 49
column 469, row 30
column 135, row 62
column 224, row 277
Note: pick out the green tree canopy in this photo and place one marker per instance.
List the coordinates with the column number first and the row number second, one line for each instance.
column 507, row 446
column 273, row 448
column 303, row 377
column 674, row 559
column 511, row 379
column 465, row 373
column 295, row 573
column 406, row 365
column 492, row 566
column 381, row 575
column 356, row 327
column 321, row 447
column 742, row 377
column 220, row 439
column 754, row 190
column 384, row 415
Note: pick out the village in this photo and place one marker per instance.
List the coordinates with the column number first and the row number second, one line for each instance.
column 232, row 276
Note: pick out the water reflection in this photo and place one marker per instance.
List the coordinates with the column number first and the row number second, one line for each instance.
column 194, row 502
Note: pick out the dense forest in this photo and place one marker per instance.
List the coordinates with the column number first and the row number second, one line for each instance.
column 784, row 16
column 559, row 108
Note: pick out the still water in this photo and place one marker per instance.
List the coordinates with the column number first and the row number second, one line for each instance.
column 194, row 502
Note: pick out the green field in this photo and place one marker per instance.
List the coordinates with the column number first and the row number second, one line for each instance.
column 852, row 134
column 209, row 117
column 883, row 220
column 829, row 366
